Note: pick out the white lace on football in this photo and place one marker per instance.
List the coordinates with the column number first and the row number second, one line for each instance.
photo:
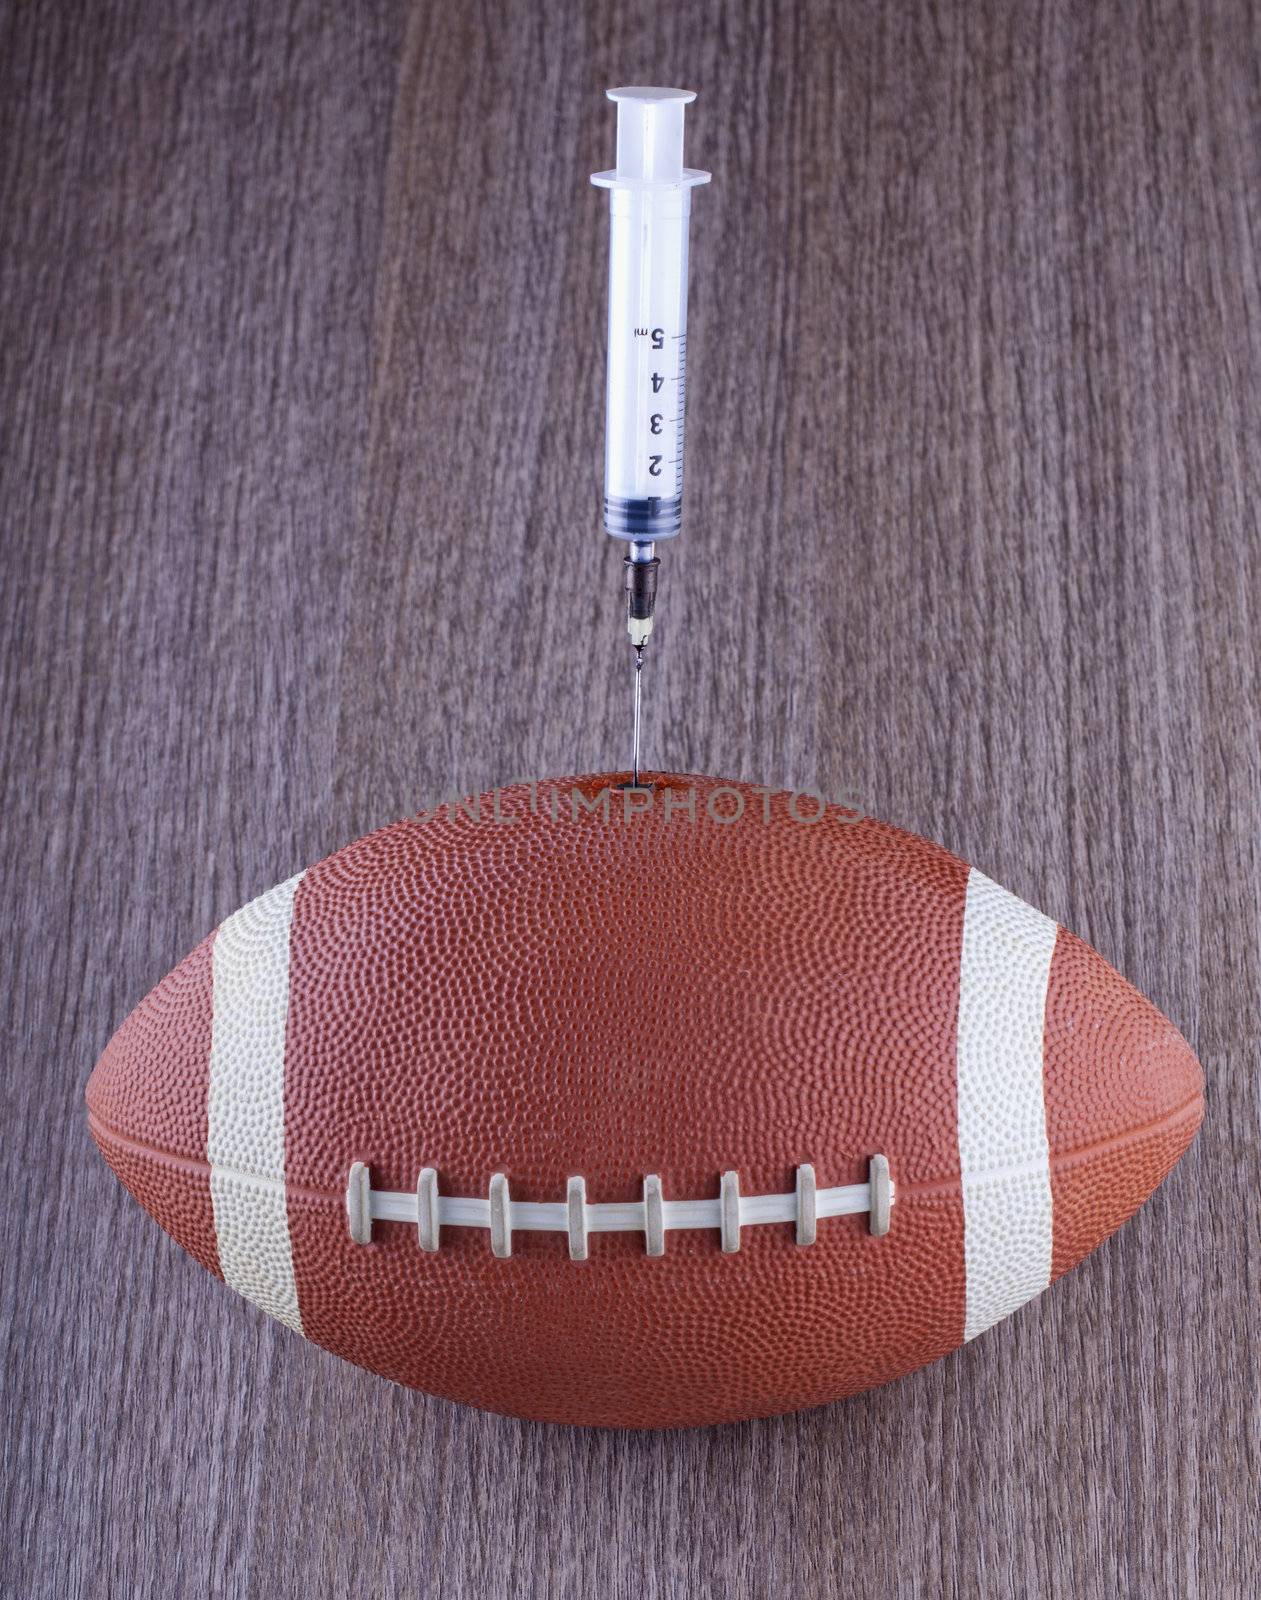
column 653, row 1215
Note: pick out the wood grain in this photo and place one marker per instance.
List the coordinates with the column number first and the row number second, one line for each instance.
column 300, row 355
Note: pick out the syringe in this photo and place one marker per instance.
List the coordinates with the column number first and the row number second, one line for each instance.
column 650, row 201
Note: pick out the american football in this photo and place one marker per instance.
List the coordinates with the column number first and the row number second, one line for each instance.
column 642, row 1107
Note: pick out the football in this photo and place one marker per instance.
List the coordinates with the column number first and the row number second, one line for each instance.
column 642, row 1107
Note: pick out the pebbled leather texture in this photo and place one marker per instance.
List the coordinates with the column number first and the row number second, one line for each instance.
column 607, row 996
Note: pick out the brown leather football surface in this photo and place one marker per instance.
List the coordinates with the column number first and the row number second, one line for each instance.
column 423, row 1040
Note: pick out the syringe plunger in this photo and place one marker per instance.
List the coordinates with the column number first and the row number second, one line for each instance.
column 650, row 133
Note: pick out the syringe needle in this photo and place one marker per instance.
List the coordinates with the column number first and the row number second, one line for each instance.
column 639, row 678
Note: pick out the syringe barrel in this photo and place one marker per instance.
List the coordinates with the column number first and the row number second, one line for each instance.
column 647, row 364
column 650, row 202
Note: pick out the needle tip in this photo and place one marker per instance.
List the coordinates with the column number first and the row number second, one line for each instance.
column 639, row 667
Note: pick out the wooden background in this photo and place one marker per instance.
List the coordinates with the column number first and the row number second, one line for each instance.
column 301, row 409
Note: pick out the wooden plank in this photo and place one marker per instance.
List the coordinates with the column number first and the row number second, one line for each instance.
column 300, row 345
column 191, row 204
